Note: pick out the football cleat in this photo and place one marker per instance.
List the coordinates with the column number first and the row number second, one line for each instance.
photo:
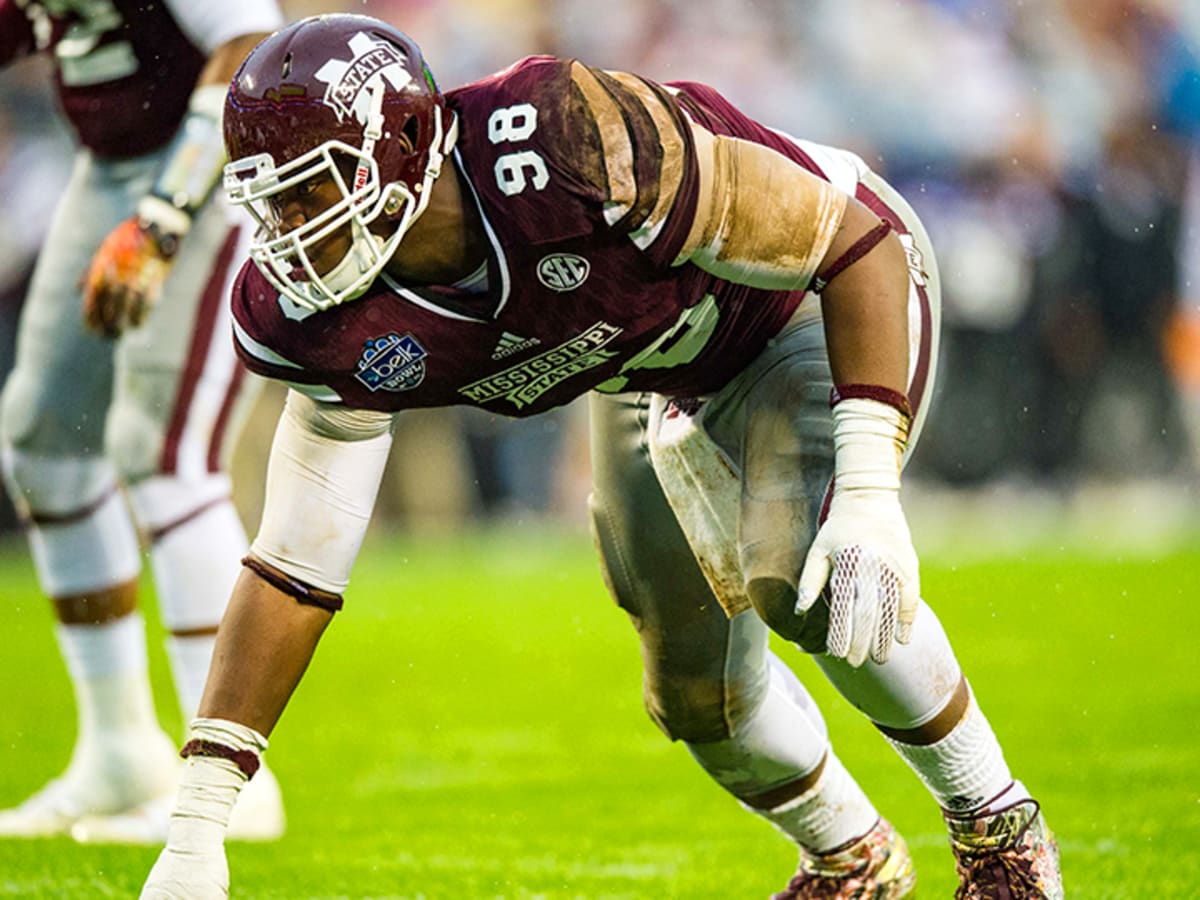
column 1009, row 853
column 874, row 867
column 100, row 780
column 257, row 816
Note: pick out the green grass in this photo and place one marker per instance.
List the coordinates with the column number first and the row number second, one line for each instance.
column 472, row 728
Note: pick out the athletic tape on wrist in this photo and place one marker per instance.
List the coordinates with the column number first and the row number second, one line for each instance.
column 857, row 251
column 876, row 392
column 246, row 760
column 194, row 159
column 293, row 587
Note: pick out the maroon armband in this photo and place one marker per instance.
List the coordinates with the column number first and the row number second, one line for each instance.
column 875, row 392
column 857, row 251
column 246, row 760
column 293, row 587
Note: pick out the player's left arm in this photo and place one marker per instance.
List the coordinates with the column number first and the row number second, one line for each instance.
column 127, row 273
column 748, row 214
column 764, row 221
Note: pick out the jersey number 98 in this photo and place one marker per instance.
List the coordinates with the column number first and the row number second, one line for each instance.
column 517, row 170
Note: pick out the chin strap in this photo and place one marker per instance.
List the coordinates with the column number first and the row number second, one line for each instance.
column 372, row 133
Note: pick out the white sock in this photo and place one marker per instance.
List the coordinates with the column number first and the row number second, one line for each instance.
column 108, row 669
column 107, row 665
column 833, row 812
column 966, row 768
column 190, row 658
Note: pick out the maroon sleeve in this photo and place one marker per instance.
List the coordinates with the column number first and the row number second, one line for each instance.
column 16, row 33
column 297, row 349
column 253, row 303
column 619, row 145
column 135, row 104
column 630, row 146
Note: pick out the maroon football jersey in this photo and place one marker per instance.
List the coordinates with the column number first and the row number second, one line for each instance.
column 586, row 182
column 123, row 68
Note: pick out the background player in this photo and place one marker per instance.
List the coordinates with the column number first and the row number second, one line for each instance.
column 131, row 390
column 556, row 229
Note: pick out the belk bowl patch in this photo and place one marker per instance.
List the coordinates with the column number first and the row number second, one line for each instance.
column 392, row 362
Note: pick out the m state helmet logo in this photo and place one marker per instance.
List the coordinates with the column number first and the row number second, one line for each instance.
column 346, row 82
column 563, row 271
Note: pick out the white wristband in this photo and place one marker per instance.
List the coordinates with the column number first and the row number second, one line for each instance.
column 169, row 219
column 209, row 100
column 869, row 439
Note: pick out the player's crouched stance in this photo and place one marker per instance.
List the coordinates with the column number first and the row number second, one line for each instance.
column 754, row 319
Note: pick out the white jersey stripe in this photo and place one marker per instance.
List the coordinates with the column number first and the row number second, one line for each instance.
column 261, row 352
column 216, row 379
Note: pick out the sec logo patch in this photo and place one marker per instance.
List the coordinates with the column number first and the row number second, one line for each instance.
column 563, row 271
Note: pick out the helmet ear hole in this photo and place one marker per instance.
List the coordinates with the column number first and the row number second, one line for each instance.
column 410, row 134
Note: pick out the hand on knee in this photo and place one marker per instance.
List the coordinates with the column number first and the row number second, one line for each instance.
column 774, row 599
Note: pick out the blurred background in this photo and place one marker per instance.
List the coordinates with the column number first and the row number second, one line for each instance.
column 1051, row 146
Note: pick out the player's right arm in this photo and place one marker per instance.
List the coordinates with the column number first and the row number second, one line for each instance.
column 323, row 474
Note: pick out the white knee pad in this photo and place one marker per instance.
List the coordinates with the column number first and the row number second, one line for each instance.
column 54, row 486
column 912, row 687
column 197, row 542
column 81, row 535
column 779, row 740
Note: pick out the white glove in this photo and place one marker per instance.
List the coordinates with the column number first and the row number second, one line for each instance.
column 864, row 550
column 193, row 866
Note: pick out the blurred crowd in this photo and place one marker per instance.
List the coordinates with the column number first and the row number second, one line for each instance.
column 1051, row 146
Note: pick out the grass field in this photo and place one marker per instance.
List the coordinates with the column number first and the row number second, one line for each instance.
column 472, row 728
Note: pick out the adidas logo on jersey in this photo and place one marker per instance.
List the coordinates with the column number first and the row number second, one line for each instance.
column 511, row 343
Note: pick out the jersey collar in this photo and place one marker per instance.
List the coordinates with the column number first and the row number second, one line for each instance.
column 439, row 300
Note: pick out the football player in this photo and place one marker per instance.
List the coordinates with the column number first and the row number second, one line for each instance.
column 755, row 318
column 120, row 414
